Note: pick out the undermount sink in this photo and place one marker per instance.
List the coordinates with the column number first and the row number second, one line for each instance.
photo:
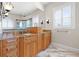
column 27, row 34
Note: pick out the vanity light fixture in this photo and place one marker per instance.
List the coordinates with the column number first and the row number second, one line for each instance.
column 42, row 22
column 47, row 21
column 6, row 14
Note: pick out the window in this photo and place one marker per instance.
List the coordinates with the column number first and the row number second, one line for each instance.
column 7, row 23
column 4, row 24
column 0, row 25
column 57, row 18
column 63, row 17
column 67, row 16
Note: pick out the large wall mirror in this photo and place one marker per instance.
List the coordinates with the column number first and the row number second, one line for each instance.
column 23, row 24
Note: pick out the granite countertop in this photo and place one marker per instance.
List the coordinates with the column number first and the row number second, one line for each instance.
column 3, row 36
column 12, row 30
column 10, row 36
column 6, row 36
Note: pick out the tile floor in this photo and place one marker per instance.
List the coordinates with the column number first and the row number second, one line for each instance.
column 57, row 52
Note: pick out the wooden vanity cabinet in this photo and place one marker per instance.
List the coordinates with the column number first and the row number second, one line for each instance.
column 25, row 45
column 33, row 44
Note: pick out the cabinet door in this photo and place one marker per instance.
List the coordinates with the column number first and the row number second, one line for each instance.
column 11, row 53
column 46, row 37
column 0, row 52
column 40, row 44
column 27, row 47
column 0, row 48
column 30, row 46
column 34, row 48
column 21, row 46
column 27, row 50
column 17, row 45
column 49, row 38
column 4, row 45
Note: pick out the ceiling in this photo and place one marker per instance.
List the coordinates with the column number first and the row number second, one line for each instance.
column 24, row 8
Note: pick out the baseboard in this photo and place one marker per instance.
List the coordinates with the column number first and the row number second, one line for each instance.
column 67, row 48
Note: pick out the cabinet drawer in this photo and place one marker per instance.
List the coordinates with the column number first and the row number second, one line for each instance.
column 7, row 51
column 9, row 48
column 34, row 48
column 31, row 38
column 27, row 41
column 11, row 43
column 6, row 43
column 12, row 53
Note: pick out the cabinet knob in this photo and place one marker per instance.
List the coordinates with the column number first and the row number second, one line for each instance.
column 7, row 49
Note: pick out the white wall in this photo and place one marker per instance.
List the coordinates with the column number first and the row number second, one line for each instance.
column 13, row 18
column 40, row 15
column 68, row 38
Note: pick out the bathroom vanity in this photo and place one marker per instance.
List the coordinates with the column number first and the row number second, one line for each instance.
column 27, row 43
